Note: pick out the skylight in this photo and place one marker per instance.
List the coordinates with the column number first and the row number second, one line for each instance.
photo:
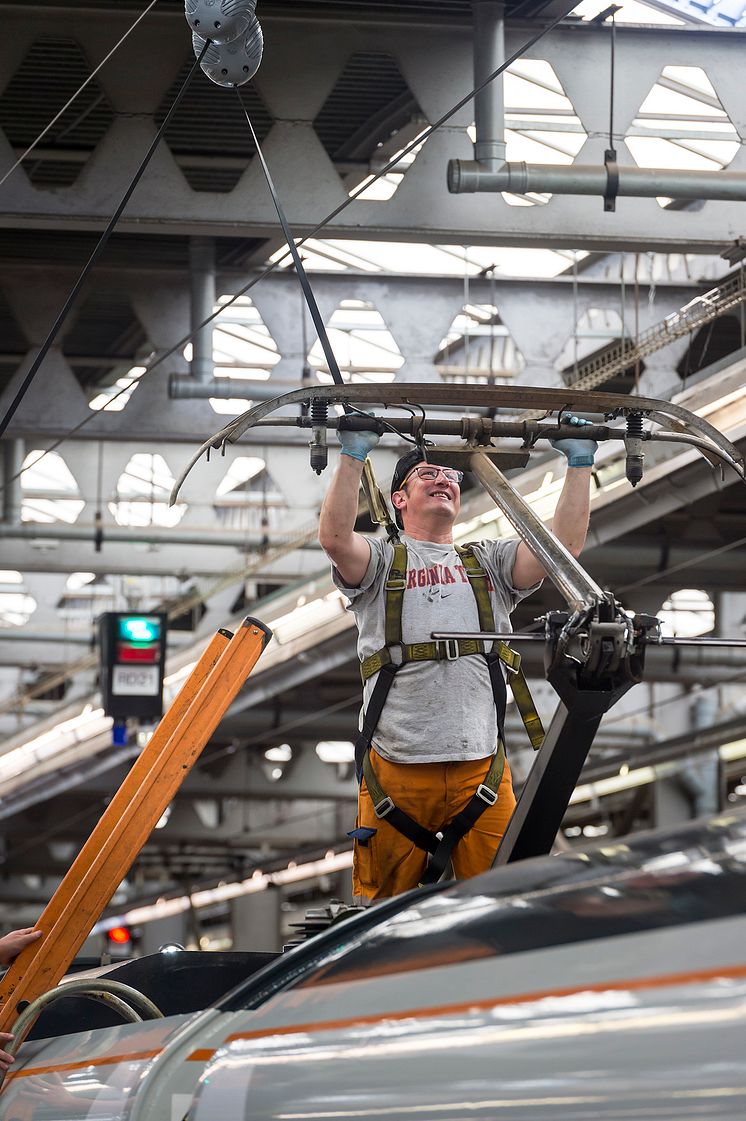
column 243, row 349
column 248, row 498
column 243, row 468
column 143, row 491
column 595, row 328
column 541, row 123
column 46, row 484
column 16, row 605
column 386, row 187
column 632, row 11
column 687, row 613
column 115, row 398
column 478, row 347
column 78, row 580
column 362, row 343
column 416, row 259
column 682, row 125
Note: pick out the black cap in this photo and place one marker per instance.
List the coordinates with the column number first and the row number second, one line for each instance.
column 402, row 469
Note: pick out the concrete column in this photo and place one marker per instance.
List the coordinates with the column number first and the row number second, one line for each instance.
column 695, row 789
column 162, row 931
column 202, row 272
column 255, row 921
column 671, row 802
column 13, row 453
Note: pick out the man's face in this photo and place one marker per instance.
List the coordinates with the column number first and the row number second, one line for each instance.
column 432, row 492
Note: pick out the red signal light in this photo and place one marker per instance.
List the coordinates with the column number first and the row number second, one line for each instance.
column 119, row 935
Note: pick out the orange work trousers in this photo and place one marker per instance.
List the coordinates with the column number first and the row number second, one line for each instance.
column 432, row 794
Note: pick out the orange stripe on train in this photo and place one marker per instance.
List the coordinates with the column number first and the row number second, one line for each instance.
column 638, row 984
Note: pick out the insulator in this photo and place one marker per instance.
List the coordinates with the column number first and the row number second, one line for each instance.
column 319, row 410
column 235, row 63
column 220, row 21
column 633, row 445
column 634, row 425
column 319, row 452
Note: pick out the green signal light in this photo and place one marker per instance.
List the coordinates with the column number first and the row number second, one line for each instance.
column 140, row 628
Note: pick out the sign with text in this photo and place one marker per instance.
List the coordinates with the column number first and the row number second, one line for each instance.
column 133, row 654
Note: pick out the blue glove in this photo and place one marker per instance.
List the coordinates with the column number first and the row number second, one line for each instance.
column 578, row 452
column 357, row 444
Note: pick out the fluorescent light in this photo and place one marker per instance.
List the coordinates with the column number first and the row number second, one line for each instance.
column 627, row 780
column 332, row 862
column 283, row 753
column 731, row 751
column 336, row 751
column 307, row 616
column 85, row 726
column 258, row 881
column 613, row 785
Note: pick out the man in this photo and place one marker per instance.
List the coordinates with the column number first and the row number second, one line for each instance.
column 436, row 746
column 10, row 947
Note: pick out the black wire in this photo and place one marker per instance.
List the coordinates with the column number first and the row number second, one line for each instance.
column 419, row 140
column 313, row 307
column 353, row 410
column 44, row 350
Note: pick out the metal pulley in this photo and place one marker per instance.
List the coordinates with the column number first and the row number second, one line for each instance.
column 220, row 21
column 235, row 63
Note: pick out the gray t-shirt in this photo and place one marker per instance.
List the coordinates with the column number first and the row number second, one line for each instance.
column 435, row 711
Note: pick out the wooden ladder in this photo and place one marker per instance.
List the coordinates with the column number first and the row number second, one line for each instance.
column 131, row 816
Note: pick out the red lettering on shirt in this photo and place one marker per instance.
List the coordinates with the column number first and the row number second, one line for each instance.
column 439, row 574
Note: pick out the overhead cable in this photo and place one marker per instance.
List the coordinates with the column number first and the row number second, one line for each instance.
column 418, row 140
column 44, row 349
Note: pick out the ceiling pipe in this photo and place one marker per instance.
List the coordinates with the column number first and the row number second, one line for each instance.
column 489, row 173
column 201, row 383
column 181, row 387
column 489, row 103
column 468, row 177
column 134, row 534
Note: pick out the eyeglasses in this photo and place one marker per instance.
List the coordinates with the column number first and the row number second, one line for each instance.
column 430, row 474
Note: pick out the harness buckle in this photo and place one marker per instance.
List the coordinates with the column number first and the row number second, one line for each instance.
column 510, row 658
column 447, row 648
column 384, row 807
column 396, row 585
column 486, row 794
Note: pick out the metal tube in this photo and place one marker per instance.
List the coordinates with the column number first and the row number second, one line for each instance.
column 466, row 177
column 13, row 453
column 570, row 578
column 202, row 304
column 129, row 534
column 489, row 103
column 181, row 387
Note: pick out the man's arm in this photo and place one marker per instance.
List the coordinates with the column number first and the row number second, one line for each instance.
column 569, row 525
column 12, row 944
column 570, row 522
column 348, row 551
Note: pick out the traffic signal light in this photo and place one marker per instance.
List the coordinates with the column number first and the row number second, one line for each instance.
column 133, row 654
column 119, row 936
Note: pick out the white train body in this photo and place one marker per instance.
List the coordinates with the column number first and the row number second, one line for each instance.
column 608, row 985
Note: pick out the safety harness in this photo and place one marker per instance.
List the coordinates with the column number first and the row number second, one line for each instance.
column 387, row 661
